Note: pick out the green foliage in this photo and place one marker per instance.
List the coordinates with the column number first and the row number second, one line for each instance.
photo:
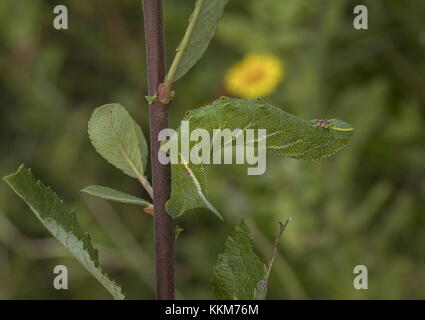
column 151, row 99
column 177, row 231
column 287, row 136
column 114, row 195
column 188, row 189
column 238, row 269
column 61, row 223
column 119, row 139
column 202, row 25
column 363, row 206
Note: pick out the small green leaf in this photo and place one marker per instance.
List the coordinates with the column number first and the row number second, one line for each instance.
column 119, row 139
column 238, row 269
column 151, row 99
column 177, row 231
column 287, row 135
column 61, row 223
column 114, row 195
column 202, row 25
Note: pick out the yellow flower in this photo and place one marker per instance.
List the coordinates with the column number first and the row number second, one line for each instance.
column 254, row 76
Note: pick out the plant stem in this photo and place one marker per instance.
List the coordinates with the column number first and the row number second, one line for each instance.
column 163, row 224
column 275, row 247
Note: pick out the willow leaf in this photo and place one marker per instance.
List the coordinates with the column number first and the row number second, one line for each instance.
column 238, row 269
column 188, row 189
column 114, row 195
column 61, row 223
column 202, row 25
column 119, row 139
column 287, row 135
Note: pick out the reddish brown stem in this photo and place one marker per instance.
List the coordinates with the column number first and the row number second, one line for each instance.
column 164, row 229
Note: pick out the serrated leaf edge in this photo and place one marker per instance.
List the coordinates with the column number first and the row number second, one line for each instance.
column 104, row 279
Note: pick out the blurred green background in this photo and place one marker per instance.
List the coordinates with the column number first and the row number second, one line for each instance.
column 363, row 206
